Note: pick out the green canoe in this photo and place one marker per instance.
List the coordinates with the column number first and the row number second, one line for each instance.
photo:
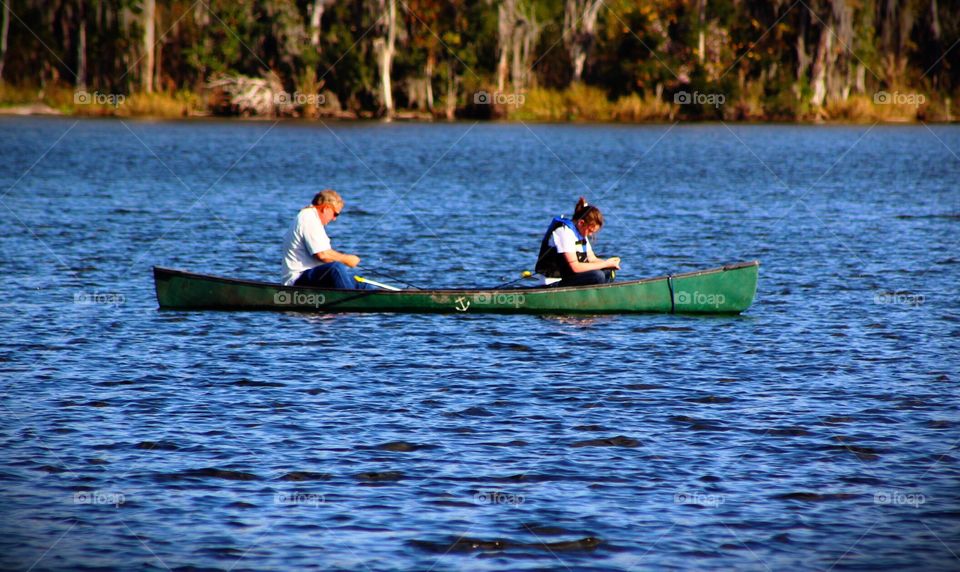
column 726, row 290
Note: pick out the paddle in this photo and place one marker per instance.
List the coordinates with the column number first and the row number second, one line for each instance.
column 523, row 275
column 363, row 280
column 385, row 275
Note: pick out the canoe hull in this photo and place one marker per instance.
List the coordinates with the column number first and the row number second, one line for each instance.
column 726, row 290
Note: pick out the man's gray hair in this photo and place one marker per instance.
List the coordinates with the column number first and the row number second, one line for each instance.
column 327, row 197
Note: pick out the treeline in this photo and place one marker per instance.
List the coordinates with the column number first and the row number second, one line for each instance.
column 541, row 59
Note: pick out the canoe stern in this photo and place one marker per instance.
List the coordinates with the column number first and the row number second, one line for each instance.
column 729, row 291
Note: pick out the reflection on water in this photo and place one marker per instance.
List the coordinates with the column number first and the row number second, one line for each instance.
column 817, row 430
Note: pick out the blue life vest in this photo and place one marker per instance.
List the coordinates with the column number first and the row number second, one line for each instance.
column 550, row 262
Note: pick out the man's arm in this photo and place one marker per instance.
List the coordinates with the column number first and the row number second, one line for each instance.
column 331, row 255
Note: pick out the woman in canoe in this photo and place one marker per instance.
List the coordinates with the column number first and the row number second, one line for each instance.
column 565, row 250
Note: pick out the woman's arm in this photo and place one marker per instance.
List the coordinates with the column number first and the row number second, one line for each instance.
column 597, row 264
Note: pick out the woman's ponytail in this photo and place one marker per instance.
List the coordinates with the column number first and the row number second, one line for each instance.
column 580, row 208
column 587, row 212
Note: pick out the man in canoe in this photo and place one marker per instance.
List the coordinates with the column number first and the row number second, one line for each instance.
column 566, row 254
column 309, row 259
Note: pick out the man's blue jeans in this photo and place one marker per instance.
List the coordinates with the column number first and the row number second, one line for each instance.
column 331, row 275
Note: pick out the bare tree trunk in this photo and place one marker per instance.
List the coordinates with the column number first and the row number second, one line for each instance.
column 934, row 20
column 158, row 60
column 124, row 21
column 82, row 47
column 428, row 72
column 819, row 73
column 386, row 48
column 907, row 18
column 701, row 43
column 894, row 32
column 316, row 18
column 516, row 67
column 579, row 31
column 62, row 14
column 506, row 19
column 935, row 31
column 451, row 103
column 149, row 24
column 201, row 15
column 517, row 37
column 803, row 58
column 838, row 59
column 531, row 31
column 4, row 29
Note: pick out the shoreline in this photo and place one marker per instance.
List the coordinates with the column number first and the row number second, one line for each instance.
column 577, row 104
column 43, row 110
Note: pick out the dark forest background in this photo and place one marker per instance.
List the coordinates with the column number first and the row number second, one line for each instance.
column 530, row 59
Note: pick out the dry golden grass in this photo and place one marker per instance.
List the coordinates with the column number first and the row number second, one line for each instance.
column 585, row 103
column 164, row 105
column 648, row 108
column 17, row 95
column 901, row 108
column 540, row 105
column 579, row 102
column 92, row 102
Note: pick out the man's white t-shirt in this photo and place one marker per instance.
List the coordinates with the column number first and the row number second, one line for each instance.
column 305, row 238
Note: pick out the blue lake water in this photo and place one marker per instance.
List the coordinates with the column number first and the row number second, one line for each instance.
column 818, row 430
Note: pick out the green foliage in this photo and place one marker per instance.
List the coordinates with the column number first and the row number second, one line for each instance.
column 756, row 54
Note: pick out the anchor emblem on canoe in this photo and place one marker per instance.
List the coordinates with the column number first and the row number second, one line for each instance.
column 462, row 304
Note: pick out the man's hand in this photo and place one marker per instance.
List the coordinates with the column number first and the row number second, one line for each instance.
column 332, row 255
column 613, row 263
